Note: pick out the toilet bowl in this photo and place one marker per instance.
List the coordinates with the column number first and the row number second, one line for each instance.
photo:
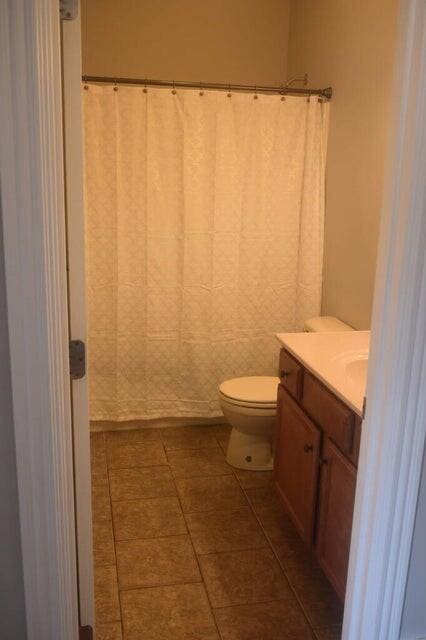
column 250, row 406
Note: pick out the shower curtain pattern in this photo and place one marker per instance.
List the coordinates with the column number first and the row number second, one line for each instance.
column 204, row 227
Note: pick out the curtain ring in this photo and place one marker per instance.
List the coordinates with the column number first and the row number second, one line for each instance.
column 145, row 90
column 201, row 89
column 229, row 94
column 255, row 97
column 115, row 85
column 174, row 90
column 85, row 86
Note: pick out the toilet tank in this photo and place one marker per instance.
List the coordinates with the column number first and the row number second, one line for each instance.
column 326, row 324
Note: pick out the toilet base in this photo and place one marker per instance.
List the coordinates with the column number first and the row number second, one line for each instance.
column 248, row 451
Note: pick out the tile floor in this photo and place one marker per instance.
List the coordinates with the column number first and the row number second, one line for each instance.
column 186, row 547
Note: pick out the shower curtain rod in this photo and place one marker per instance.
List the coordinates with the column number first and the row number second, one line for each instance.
column 175, row 84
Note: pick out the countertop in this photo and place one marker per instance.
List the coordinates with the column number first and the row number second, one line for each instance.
column 338, row 359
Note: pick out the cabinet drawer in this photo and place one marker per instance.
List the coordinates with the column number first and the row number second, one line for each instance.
column 291, row 374
column 329, row 412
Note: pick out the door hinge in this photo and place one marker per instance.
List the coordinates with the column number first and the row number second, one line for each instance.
column 77, row 359
column 86, row 633
column 68, row 9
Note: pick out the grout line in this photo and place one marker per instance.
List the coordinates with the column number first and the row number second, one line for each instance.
column 144, row 498
column 158, row 585
column 198, row 564
column 114, row 541
column 293, row 590
column 162, row 537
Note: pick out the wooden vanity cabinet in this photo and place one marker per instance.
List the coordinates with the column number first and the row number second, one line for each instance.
column 317, row 442
column 334, row 518
column 296, row 467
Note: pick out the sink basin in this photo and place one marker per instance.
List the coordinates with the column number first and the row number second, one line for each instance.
column 353, row 365
column 356, row 370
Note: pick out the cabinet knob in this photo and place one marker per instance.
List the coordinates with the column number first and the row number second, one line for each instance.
column 307, row 448
column 284, row 374
column 323, row 461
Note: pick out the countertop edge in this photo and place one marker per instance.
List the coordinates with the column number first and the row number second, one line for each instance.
column 325, row 382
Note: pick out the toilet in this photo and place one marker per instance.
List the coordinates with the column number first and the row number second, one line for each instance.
column 250, row 406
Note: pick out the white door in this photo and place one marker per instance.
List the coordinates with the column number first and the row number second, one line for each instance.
column 71, row 66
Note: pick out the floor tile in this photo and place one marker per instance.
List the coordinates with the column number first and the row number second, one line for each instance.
column 110, row 631
column 215, row 531
column 279, row 620
column 142, row 482
column 191, row 437
column 97, row 443
column 160, row 561
column 179, row 612
column 132, row 435
column 98, row 459
column 223, row 433
column 103, row 543
column 329, row 633
column 190, row 463
column 320, row 602
column 101, row 506
column 221, row 430
column 264, row 498
column 210, row 494
column 148, row 518
column 137, row 454
column 243, row 577
column 279, row 529
column 253, row 479
column 98, row 468
column 107, row 607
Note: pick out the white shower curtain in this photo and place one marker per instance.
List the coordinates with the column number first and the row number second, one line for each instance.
column 204, row 226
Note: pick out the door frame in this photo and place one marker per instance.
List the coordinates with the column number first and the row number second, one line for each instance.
column 74, row 202
column 32, row 188
column 394, row 428
column 32, row 199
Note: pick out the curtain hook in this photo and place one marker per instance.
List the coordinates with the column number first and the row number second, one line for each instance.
column 145, row 90
column 229, row 91
column 115, row 84
column 309, row 98
column 85, row 86
column 255, row 97
column 201, row 89
column 174, row 90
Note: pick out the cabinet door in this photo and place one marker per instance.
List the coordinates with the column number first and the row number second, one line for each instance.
column 296, row 464
column 336, row 505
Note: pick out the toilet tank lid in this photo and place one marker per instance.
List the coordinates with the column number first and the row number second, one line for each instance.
column 326, row 323
column 251, row 389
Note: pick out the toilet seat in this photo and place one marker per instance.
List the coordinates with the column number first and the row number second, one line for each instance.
column 257, row 392
column 249, row 405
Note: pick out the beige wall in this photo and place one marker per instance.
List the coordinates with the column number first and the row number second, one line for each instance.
column 236, row 41
column 349, row 45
